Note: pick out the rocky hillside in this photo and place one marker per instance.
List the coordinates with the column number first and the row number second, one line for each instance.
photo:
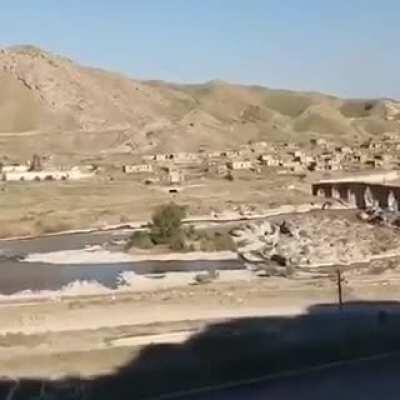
column 45, row 92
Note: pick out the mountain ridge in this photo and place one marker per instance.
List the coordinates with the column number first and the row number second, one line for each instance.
column 48, row 92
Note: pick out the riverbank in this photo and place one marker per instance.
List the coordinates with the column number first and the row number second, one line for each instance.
column 202, row 221
column 100, row 256
column 220, row 299
column 94, row 335
column 235, row 294
column 41, row 208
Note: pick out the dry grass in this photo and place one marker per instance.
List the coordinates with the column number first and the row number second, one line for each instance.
column 108, row 111
column 44, row 207
column 19, row 111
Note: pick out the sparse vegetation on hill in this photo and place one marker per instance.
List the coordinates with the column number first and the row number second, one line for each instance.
column 40, row 92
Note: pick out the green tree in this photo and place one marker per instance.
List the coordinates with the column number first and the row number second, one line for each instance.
column 167, row 222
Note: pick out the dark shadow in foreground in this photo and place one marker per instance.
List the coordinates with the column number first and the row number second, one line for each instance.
column 235, row 350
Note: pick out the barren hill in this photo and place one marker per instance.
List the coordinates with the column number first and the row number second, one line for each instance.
column 47, row 93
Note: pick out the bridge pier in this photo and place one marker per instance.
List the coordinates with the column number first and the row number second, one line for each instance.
column 360, row 194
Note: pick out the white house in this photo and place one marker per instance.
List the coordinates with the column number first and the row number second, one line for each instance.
column 130, row 169
column 175, row 177
column 269, row 160
column 237, row 165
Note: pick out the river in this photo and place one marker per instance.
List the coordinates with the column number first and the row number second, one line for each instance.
column 17, row 276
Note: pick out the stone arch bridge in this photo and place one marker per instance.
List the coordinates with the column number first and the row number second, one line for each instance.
column 360, row 194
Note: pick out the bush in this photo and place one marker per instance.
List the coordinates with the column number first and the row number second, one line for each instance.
column 229, row 176
column 166, row 223
column 191, row 233
column 141, row 240
column 178, row 242
column 206, row 244
column 224, row 241
column 217, row 241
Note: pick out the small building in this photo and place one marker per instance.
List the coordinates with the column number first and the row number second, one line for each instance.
column 148, row 157
column 268, row 160
column 375, row 146
column 333, row 165
column 318, row 142
column 374, row 163
column 215, row 168
column 222, row 169
column 214, row 154
column 288, row 164
column 298, row 156
column 308, row 160
column 175, row 177
column 231, row 154
column 298, row 169
column 161, row 157
column 240, row 165
column 138, row 168
column 315, row 166
column 359, row 158
column 184, row 157
column 343, row 149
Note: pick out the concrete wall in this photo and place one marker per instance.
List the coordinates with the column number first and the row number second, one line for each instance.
column 377, row 177
column 72, row 174
column 360, row 194
column 15, row 168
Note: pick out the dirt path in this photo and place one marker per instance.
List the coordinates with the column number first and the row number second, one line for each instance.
column 88, row 336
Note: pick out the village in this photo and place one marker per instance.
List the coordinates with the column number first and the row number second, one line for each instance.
column 318, row 158
column 200, row 200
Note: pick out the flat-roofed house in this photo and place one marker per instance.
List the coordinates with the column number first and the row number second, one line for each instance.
column 137, row 168
column 238, row 165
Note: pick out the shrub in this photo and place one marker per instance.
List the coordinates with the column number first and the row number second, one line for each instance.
column 224, row 241
column 217, row 241
column 229, row 176
column 177, row 242
column 191, row 233
column 141, row 240
column 167, row 222
column 206, row 244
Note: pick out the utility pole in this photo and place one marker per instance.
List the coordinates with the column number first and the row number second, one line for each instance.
column 339, row 287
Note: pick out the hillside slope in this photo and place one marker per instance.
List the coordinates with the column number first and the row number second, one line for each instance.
column 49, row 93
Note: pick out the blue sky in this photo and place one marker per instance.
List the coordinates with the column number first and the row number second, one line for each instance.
column 344, row 47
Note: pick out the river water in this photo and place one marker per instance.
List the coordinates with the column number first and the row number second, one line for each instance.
column 17, row 276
